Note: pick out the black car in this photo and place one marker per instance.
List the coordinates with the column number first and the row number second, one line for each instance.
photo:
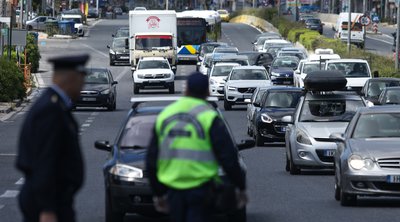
column 390, row 96
column 118, row 10
column 281, row 70
column 275, row 103
column 127, row 189
column 100, row 90
column 122, row 32
column 93, row 13
column 373, row 88
column 315, row 24
column 208, row 48
column 258, row 58
column 119, row 50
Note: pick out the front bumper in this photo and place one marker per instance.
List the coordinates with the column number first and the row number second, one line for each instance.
column 94, row 100
column 282, row 80
column 318, row 155
column 272, row 131
column 235, row 97
column 143, row 83
column 119, row 57
column 217, row 90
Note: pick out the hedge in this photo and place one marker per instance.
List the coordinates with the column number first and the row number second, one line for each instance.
column 11, row 81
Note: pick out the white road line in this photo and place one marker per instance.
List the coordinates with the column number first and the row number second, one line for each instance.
column 123, row 73
column 95, row 50
column 380, row 40
column 91, row 117
column 85, row 125
column 20, row 181
column 94, row 114
column 89, row 121
column 8, row 154
column 10, row 194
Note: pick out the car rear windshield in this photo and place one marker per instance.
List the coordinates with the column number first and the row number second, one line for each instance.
column 313, row 21
column 137, row 132
column 307, row 68
column 351, row 69
column 97, row 77
column 285, row 63
column 249, row 74
column 122, row 33
column 76, row 20
column 282, row 99
column 329, row 110
column 354, row 26
column 375, row 88
column 377, row 125
column 153, row 64
column 392, row 96
column 221, row 70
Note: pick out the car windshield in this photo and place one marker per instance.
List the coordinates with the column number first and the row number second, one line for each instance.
column 329, row 110
column 313, row 21
column 297, row 54
column 282, row 99
column 207, row 49
column 248, row 74
column 221, row 70
column 153, row 64
column 285, row 63
column 119, row 43
column 122, row 33
column 377, row 125
column 274, row 50
column 351, row 69
column 392, row 96
column 137, row 132
column 375, row 88
column 222, row 50
column 281, row 45
column 207, row 60
column 222, row 12
column 76, row 20
column 307, row 68
column 97, row 77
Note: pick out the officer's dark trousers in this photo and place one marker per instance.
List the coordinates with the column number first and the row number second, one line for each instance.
column 190, row 205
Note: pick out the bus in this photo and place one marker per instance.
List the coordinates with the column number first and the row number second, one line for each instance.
column 192, row 32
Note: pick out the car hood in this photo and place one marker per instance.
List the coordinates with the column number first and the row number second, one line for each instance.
column 283, row 71
column 322, row 129
column 153, row 71
column 219, row 79
column 135, row 158
column 376, row 148
column 248, row 83
column 120, row 50
column 278, row 113
column 95, row 87
column 356, row 82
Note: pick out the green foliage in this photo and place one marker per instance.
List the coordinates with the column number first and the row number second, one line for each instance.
column 33, row 54
column 11, row 81
column 294, row 34
column 309, row 39
column 265, row 13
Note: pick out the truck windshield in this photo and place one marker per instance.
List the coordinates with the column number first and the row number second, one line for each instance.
column 152, row 41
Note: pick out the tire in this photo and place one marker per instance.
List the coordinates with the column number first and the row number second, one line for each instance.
column 239, row 215
column 287, row 167
column 171, row 88
column 362, row 46
column 29, row 28
column 112, row 106
column 227, row 105
column 347, row 199
column 337, row 192
column 258, row 138
column 293, row 169
column 112, row 216
column 112, row 63
column 135, row 89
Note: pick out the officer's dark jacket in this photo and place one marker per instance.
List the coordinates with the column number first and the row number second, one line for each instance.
column 49, row 155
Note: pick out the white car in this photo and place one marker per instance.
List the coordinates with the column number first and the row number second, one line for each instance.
column 305, row 68
column 291, row 51
column 241, row 83
column 356, row 71
column 323, row 55
column 77, row 19
column 275, row 42
column 153, row 72
column 218, row 75
column 205, row 64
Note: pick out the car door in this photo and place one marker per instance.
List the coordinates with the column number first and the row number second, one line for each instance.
column 41, row 23
column 113, row 87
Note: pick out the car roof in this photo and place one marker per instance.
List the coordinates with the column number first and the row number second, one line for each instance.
column 227, row 64
column 249, row 67
column 119, row 38
column 287, row 57
column 347, row 60
column 288, row 49
column 380, row 109
column 285, row 88
column 276, row 41
column 153, row 58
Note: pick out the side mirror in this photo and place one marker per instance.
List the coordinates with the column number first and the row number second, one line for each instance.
column 376, row 74
column 256, row 104
column 337, row 137
column 297, row 72
column 287, row 119
column 248, row 101
column 114, row 83
column 198, row 64
column 246, row 144
column 226, row 79
column 112, row 35
column 103, row 145
column 108, row 47
column 173, row 67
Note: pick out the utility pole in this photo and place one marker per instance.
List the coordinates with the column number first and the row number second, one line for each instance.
column 349, row 29
column 166, row 4
column 398, row 35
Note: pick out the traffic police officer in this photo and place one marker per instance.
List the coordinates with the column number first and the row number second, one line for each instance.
column 49, row 153
column 189, row 143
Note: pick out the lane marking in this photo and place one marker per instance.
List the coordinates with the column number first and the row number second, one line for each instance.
column 95, row 50
column 10, row 194
column 85, row 125
column 380, row 40
column 123, row 73
column 94, row 114
column 8, row 154
column 89, row 120
column 20, row 181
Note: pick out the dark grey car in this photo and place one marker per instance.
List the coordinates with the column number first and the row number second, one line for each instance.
column 119, row 51
column 367, row 159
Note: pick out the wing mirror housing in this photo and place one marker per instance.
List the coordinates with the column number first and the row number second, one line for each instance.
column 108, row 46
column 287, row 119
column 337, row 137
column 114, row 82
column 246, row 144
column 103, row 145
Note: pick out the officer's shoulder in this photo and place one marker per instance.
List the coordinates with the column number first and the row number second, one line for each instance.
column 49, row 100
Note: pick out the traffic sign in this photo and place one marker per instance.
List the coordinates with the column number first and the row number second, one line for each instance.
column 364, row 20
column 375, row 18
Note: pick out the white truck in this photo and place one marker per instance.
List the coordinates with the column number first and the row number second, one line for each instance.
column 152, row 33
column 357, row 30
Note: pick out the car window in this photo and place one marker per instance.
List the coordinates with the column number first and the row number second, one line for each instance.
column 221, row 70
column 285, row 63
column 97, row 77
column 137, row 132
column 119, row 43
column 248, row 74
column 282, row 99
column 307, row 68
column 259, row 95
column 350, row 69
column 375, row 88
column 329, row 110
column 153, row 64
column 392, row 96
column 377, row 125
column 122, row 33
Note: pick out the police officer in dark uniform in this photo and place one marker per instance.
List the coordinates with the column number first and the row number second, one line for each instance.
column 49, row 153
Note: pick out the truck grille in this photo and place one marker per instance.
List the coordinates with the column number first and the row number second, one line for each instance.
column 393, row 163
column 246, row 90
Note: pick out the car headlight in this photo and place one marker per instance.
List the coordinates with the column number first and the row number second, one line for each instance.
column 140, row 76
column 126, row 172
column 167, row 75
column 301, row 137
column 369, row 103
column 357, row 162
column 231, row 88
column 266, row 119
column 274, row 74
column 213, row 82
column 112, row 51
column 105, row 92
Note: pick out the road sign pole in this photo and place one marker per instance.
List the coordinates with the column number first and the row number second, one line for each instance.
column 397, row 37
column 349, row 29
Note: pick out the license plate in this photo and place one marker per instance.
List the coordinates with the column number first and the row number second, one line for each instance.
column 283, row 128
column 183, row 58
column 124, row 57
column 329, row 152
column 393, row 179
column 88, row 99
column 286, row 82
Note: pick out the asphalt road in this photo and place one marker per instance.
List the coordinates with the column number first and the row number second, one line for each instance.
column 274, row 194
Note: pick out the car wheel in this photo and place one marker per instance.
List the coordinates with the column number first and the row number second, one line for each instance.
column 337, row 192
column 239, row 215
column 227, row 105
column 259, row 140
column 287, row 167
column 172, row 88
column 347, row 199
column 112, row 216
column 112, row 63
column 29, row 28
column 135, row 89
column 293, row 168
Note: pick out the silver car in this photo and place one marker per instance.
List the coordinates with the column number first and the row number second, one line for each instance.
column 367, row 160
column 317, row 115
column 38, row 23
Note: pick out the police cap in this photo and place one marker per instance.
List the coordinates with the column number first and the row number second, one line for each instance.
column 70, row 62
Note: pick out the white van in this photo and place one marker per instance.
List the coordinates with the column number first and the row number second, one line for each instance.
column 77, row 19
column 357, row 30
column 323, row 55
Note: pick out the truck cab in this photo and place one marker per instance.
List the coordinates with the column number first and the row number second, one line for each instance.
column 357, row 30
